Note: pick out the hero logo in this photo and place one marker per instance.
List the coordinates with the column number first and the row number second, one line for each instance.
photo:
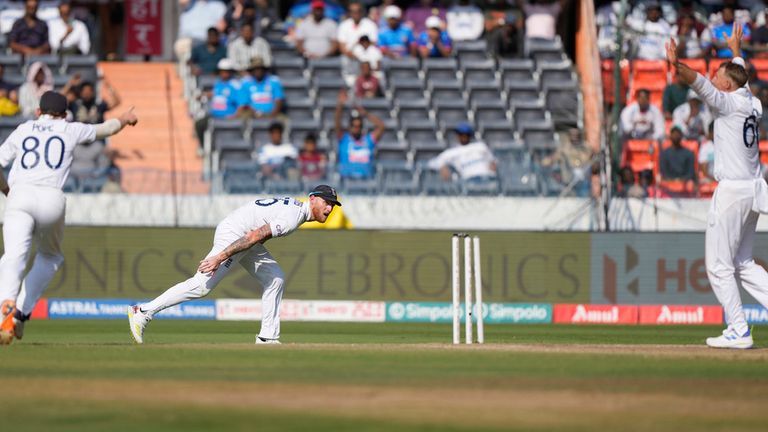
column 610, row 278
column 668, row 316
column 582, row 315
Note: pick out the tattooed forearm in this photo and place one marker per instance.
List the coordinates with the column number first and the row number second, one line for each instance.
column 258, row 235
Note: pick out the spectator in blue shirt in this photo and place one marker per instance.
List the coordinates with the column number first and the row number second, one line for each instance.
column 206, row 56
column 396, row 40
column 724, row 30
column 356, row 149
column 261, row 94
column 434, row 42
column 222, row 98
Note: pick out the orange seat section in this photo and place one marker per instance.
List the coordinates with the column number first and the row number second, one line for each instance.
column 162, row 148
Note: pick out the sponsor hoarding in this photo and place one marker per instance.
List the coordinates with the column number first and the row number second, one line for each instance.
column 676, row 314
column 41, row 309
column 493, row 313
column 594, row 314
column 140, row 262
column 303, row 310
column 118, row 308
column 756, row 314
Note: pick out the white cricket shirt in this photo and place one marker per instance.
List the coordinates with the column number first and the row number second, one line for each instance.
column 283, row 215
column 42, row 151
column 471, row 160
column 737, row 115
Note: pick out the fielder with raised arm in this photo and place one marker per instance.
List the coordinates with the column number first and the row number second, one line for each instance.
column 240, row 238
column 741, row 193
column 42, row 153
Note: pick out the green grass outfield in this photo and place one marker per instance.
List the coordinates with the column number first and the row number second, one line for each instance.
column 203, row 376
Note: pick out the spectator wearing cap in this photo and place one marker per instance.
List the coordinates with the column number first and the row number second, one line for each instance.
column 247, row 47
column 675, row 94
column 716, row 40
column 352, row 29
column 87, row 109
column 653, row 33
column 541, row 18
column 677, row 162
column 465, row 21
column 312, row 162
column 503, row 35
column 356, row 148
column 316, row 35
column 206, row 56
column 367, row 86
column 434, row 42
column 260, row 94
column 277, row 158
column 29, row 34
column 416, row 15
column 67, row 35
column 472, row 160
column 692, row 117
column 396, row 41
column 641, row 120
column 367, row 52
column 222, row 99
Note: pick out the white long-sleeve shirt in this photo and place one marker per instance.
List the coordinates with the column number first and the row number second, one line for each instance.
column 737, row 115
column 695, row 127
column 643, row 125
column 471, row 160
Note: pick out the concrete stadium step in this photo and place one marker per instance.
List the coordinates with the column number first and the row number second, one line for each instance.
column 147, row 150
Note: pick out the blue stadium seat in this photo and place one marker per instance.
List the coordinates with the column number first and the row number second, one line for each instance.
column 485, row 187
column 562, row 101
column 517, row 70
column 476, row 50
column 327, row 67
column 521, row 91
column 479, row 70
column 440, row 69
column 300, row 129
column 259, row 129
column 289, row 67
column 295, row 88
column 450, row 90
column 328, row 88
column 398, row 69
column 449, row 113
column 205, row 82
column 560, row 72
column 380, row 107
column 12, row 63
column 483, row 90
column 283, row 186
column 407, row 89
column 412, row 110
column 300, row 109
column 85, row 65
column 7, row 125
column 432, row 184
column 353, row 186
column 489, row 110
column 398, row 179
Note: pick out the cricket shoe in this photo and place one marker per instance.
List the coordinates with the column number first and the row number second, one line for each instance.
column 138, row 321
column 7, row 309
column 731, row 339
column 261, row 340
column 18, row 324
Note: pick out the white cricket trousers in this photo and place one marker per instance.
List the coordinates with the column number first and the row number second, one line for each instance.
column 257, row 261
column 31, row 212
column 730, row 238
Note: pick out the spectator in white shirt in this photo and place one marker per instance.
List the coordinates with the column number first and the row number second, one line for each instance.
column 653, row 33
column 278, row 158
column 692, row 118
column 688, row 40
column 641, row 120
column 354, row 27
column 247, row 47
column 473, row 161
column 316, row 35
column 541, row 18
column 366, row 52
column 465, row 22
column 67, row 35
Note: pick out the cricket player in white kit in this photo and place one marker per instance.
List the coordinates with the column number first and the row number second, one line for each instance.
column 741, row 194
column 41, row 151
column 240, row 238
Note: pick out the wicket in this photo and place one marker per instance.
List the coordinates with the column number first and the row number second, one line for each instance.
column 471, row 268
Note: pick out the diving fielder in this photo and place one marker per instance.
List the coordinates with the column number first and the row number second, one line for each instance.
column 239, row 238
column 741, row 193
column 42, row 153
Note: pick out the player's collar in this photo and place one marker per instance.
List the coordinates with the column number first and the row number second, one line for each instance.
column 306, row 210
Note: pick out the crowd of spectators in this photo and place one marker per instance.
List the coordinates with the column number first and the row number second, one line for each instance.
column 681, row 123
column 362, row 34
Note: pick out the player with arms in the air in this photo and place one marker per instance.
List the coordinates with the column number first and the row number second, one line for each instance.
column 239, row 238
column 42, row 153
column 733, row 212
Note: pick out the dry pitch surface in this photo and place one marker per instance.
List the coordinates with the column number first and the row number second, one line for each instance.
column 85, row 375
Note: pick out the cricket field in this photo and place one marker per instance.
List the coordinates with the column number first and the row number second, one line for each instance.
column 203, row 376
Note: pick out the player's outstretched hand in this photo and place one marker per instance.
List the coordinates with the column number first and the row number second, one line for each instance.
column 734, row 40
column 671, row 51
column 209, row 265
column 129, row 117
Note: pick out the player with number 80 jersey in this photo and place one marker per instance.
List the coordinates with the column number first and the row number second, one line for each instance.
column 41, row 151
